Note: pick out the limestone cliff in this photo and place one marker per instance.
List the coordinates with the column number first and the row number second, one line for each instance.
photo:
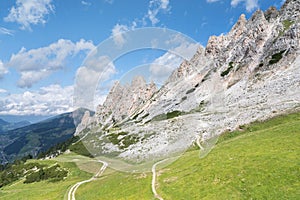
column 251, row 73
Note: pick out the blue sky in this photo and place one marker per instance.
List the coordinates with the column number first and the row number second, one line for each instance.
column 43, row 42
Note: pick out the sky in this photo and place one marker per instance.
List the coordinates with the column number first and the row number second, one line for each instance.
column 43, row 43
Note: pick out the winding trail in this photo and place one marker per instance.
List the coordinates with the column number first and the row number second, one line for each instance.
column 199, row 140
column 156, row 195
column 72, row 191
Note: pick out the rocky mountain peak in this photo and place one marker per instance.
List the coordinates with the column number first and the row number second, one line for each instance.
column 251, row 73
column 85, row 121
column 271, row 14
column 240, row 25
column 290, row 10
column 124, row 99
column 138, row 82
column 258, row 16
column 248, row 47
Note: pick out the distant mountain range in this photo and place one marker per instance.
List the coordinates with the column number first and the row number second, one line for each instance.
column 18, row 118
column 35, row 138
column 7, row 126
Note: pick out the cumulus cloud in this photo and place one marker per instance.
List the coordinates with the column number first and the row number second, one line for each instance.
column 155, row 7
column 50, row 100
column 96, row 69
column 3, row 91
column 163, row 66
column 3, row 70
column 250, row 4
column 37, row 64
column 183, row 47
column 118, row 34
column 30, row 12
column 6, row 31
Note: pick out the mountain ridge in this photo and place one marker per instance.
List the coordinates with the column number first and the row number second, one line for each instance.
column 39, row 137
column 7, row 126
column 250, row 74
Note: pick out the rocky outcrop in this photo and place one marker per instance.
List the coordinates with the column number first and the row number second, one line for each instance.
column 123, row 100
column 271, row 14
column 251, row 73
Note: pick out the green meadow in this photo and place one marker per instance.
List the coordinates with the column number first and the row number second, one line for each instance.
column 260, row 161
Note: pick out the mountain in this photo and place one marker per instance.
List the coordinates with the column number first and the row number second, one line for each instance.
column 252, row 73
column 30, row 118
column 3, row 123
column 6, row 126
column 20, row 124
column 38, row 137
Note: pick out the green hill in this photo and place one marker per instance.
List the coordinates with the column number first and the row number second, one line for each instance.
column 38, row 137
column 259, row 162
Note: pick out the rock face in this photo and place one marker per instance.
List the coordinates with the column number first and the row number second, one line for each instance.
column 123, row 100
column 252, row 73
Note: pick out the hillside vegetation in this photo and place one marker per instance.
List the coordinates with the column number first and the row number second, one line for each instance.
column 261, row 161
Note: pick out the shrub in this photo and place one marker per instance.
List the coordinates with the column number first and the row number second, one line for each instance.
column 184, row 98
column 79, row 148
column 276, row 57
column 190, row 91
column 53, row 173
column 224, row 73
column 169, row 115
column 287, row 24
column 128, row 140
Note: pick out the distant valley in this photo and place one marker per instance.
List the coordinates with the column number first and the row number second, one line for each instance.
column 31, row 139
column 7, row 126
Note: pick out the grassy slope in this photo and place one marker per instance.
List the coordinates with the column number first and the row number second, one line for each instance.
column 117, row 185
column 261, row 163
column 45, row 189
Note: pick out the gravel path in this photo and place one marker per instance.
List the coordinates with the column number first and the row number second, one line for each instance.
column 72, row 191
column 156, row 195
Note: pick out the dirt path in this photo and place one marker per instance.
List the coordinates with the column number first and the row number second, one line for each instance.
column 156, row 195
column 72, row 191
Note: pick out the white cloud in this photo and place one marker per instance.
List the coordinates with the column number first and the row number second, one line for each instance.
column 163, row 66
column 3, row 69
column 3, row 91
column 183, row 47
column 28, row 12
column 250, row 4
column 97, row 70
column 86, row 3
column 155, row 7
column 118, row 34
column 6, row 31
column 109, row 1
column 36, row 64
column 50, row 100
column 211, row 1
